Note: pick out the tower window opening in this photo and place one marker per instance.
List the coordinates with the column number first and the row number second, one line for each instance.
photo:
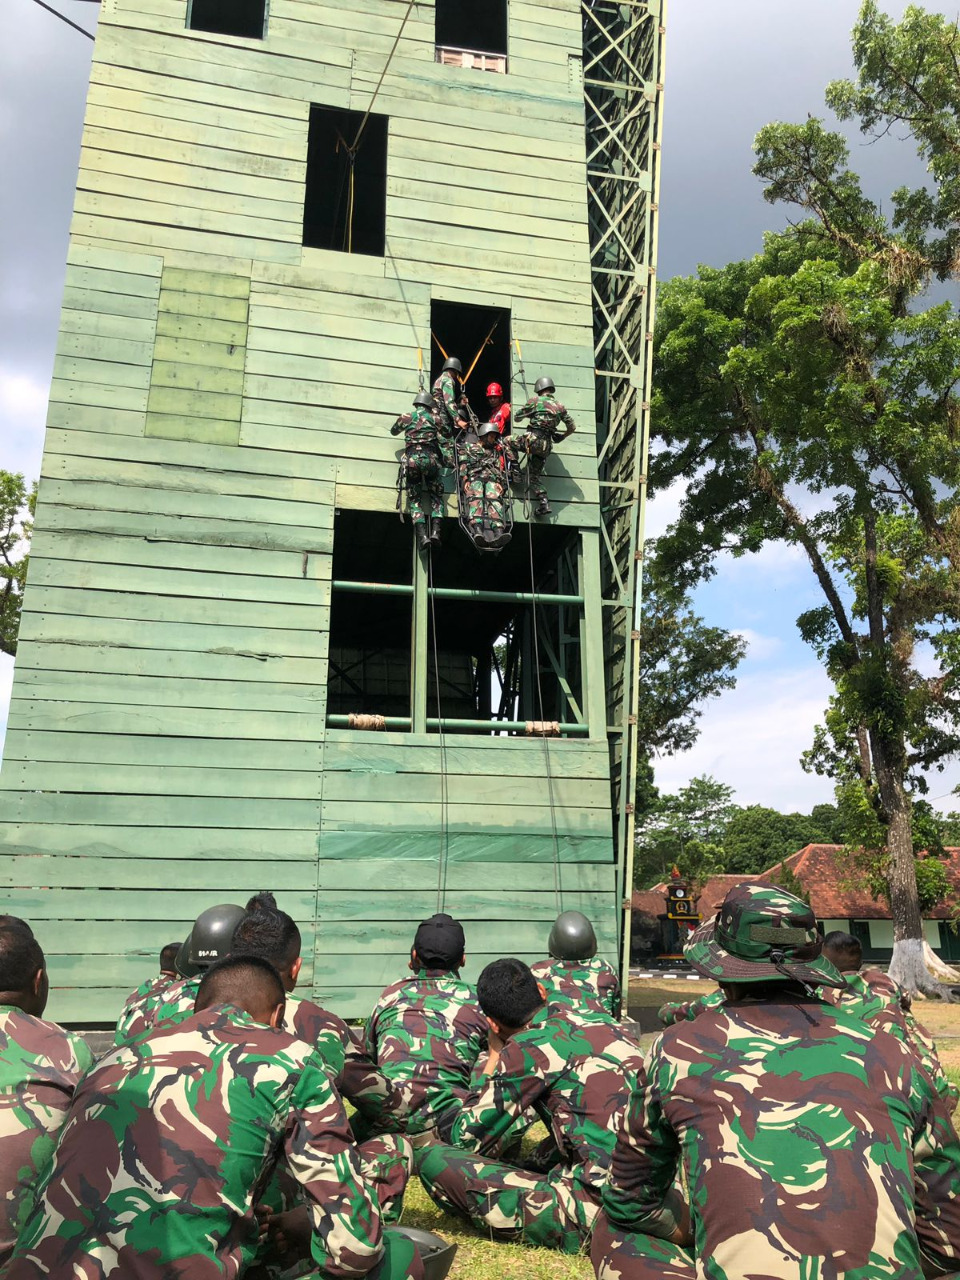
column 345, row 203
column 469, row 333
column 472, row 35
column 228, row 17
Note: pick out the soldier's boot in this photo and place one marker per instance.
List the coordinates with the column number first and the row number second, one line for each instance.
column 423, row 537
column 543, row 507
column 435, row 531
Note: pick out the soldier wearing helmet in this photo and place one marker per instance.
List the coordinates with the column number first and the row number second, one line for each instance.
column 449, row 396
column 420, row 467
column 545, row 414
column 208, row 941
column 574, row 975
column 483, row 487
column 499, row 408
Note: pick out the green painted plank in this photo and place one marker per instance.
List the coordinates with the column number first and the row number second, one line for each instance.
column 208, row 283
column 100, row 395
column 175, row 528
column 103, row 372
column 121, row 780
column 207, row 722
column 463, row 754
column 169, row 426
column 104, row 302
column 149, row 145
column 207, row 379
column 131, row 904
column 106, row 183
column 106, row 326
column 131, row 749
column 193, row 844
column 167, row 577
column 293, row 815
column 164, row 691
column 77, row 417
column 496, row 790
column 191, row 609
column 465, row 846
column 202, row 329
column 286, row 147
column 120, row 233
column 385, row 875
column 420, row 900
column 79, row 255
column 187, row 637
column 163, row 92
column 141, row 873
column 105, row 347
column 98, row 280
column 219, row 355
column 511, row 821
column 392, row 938
column 179, row 302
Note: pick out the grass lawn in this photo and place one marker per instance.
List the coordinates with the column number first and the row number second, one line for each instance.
column 479, row 1259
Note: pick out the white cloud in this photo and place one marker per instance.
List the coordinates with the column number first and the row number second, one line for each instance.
column 760, row 647
column 23, row 412
column 664, row 509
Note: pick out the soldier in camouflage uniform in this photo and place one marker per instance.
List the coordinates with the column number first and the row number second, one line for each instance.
column 545, row 413
column 873, row 996
column 169, row 1141
column 483, row 467
column 576, row 1074
column 40, row 1067
column 574, row 976
column 207, row 942
column 149, row 991
column 687, row 1010
column 812, row 1145
column 427, row 1032
column 421, row 466
column 448, row 396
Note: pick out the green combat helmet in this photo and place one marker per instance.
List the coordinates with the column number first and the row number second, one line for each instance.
column 436, row 1254
column 486, row 429
column 211, row 937
column 572, row 937
column 182, row 963
column 762, row 934
column 423, row 400
column 544, row 384
column 453, row 363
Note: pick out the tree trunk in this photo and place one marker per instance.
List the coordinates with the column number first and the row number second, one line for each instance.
column 907, row 966
column 939, row 968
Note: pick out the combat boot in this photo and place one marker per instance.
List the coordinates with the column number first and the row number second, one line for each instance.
column 423, row 538
column 435, row 532
column 543, row 508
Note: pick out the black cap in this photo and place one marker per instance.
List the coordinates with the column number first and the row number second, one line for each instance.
column 440, row 943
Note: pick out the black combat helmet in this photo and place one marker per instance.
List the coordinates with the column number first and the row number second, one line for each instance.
column 212, row 934
column 485, row 428
column 572, row 937
column 544, row 384
column 453, row 363
column 423, row 399
column 182, row 963
column 436, row 1254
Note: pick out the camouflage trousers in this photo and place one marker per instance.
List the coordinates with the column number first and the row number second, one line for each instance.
column 538, row 449
column 424, row 486
column 628, row 1255
column 400, row 1261
column 553, row 1211
column 483, row 502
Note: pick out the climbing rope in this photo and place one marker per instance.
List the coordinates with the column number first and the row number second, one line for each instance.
column 444, row 798
column 543, row 735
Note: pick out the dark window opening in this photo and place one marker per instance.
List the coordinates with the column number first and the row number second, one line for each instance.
column 465, row 24
column 345, row 205
column 469, row 332
column 228, row 17
column 370, row 635
column 488, row 654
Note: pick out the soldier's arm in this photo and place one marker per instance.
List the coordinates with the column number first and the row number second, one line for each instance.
column 496, row 1102
column 637, row 1196
column 526, row 411
column 346, row 1239
column 610, row 991
column 567, row 421
column 936, row 1171
column 401, row 424
column 690, row 1009
column 362, row 1082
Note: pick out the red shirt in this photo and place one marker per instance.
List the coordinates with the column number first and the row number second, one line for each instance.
column 501, row 417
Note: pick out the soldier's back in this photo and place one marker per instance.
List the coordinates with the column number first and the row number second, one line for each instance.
column 590, row 986
column 797, row 1123
column 41, row 1064
column 427, row 1033
column 137, row 1012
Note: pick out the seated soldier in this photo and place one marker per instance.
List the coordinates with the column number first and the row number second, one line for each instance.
column 207, row 942
column 40, row 1067
column 140, row 1003
column 273, row 936
column 574, row 976
column 483, row 488
column 168, row 1141
column 576, row 1074
column 426, row 1032
column 811, row 1144
column 873, row 995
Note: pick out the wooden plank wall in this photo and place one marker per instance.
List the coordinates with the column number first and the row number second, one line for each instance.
column 219, row 392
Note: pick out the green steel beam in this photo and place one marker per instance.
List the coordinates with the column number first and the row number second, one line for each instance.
column 514, row 726
column 455, row 593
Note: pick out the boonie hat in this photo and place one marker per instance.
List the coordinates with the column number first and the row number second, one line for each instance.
column 762, row 934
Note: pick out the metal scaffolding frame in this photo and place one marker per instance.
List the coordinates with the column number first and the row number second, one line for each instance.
column 623, row 96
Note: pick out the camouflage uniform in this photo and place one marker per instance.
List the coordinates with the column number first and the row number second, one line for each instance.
column 446, row 393
column 425, row 1035
column 687, row 1010
column 812, row 1144
column 483, row 487
column 139, row 1005
column 545, row 413
column 577, row 1075
column 167, row 1145
column 171, row 1005
column 874, row 996
column 40, row 1066
column 586, row 986
column 422, row 462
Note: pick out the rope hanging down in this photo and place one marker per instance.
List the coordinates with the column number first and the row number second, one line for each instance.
column 543, row 729
column 444, row 832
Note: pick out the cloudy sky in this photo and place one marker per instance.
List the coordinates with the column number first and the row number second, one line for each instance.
column 731, row 67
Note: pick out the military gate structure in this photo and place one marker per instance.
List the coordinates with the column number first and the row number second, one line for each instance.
column 286, row 212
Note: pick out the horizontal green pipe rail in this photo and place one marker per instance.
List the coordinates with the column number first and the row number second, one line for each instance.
column 404, row 722
column 454, row 593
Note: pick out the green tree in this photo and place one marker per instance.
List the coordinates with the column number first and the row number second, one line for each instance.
column 757, row 838
column 683, row 830
column 807, row 403
column 17, row 504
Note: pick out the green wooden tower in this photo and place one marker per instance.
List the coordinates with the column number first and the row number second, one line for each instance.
column 287, row 211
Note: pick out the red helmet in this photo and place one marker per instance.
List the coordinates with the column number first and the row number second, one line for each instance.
column 495, row 389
